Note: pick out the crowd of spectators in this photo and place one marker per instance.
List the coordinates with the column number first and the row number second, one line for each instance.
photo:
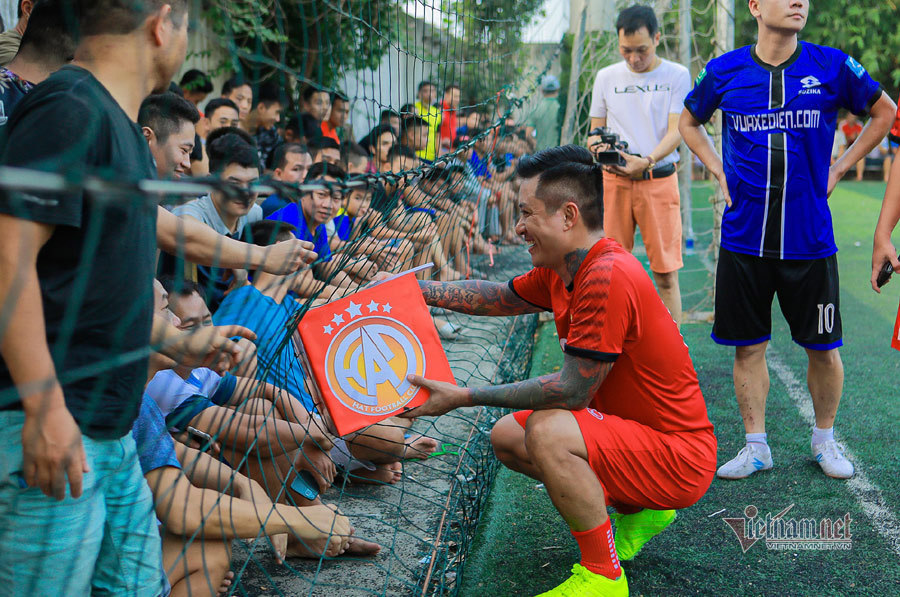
column 160, row 461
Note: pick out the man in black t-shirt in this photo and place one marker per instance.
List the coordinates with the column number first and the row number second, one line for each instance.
column 76, row 273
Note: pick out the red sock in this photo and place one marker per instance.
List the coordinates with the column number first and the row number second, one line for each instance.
column 598, row 550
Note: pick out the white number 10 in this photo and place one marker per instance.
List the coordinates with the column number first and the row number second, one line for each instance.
column 826, row 317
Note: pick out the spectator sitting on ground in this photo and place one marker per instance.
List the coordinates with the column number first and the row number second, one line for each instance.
column 325, row 149
column 245, row 416
column 290, row 162
column 239, row 91
column 46, row 46
column 233, row 159
column 351, row 234
column 425, row 238
column 267, row 117
column 314, row 107
column 473, row 119
column 414, row 133
column 486, row 198
column 266, row 306
column 309, row 216
column 167, row 121
column 388, row 117
column 335, row 126
column 354, row 158
column 483, row 168
column 195, row 495
column 383, row 136
column 220, row 113
column 188, row 302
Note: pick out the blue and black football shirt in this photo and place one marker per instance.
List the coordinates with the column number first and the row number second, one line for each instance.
column 777, row 135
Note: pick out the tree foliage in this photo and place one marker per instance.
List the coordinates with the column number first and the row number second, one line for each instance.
column 489, row 41
column 312, row 39
column 865, row 29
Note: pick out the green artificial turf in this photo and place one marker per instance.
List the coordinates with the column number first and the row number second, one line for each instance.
column 524, row 548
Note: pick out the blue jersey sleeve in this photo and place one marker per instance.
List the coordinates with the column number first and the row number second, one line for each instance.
column 705, row 97
column 858, row 91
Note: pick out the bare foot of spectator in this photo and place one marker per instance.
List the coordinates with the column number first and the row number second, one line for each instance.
column 420, row 446
column 361, row 547
column 446, row 330
column 226, row 582
column 356, row 547
column 383, row 474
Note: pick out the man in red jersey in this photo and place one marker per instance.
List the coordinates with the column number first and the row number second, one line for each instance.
column 624, row 423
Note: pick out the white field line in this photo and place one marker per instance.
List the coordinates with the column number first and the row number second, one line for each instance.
column 867, row 494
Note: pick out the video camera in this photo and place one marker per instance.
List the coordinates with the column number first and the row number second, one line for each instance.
column 612, row 142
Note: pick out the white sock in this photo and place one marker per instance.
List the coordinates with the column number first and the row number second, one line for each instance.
column 758, row 438
column 820, row 436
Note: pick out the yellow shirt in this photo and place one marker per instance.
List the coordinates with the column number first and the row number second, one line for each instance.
column 431, row 115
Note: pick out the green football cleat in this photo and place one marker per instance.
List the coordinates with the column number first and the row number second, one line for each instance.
column 584, row 583
column 634, row 530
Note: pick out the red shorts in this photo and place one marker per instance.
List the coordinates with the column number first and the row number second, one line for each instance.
column 640, row 467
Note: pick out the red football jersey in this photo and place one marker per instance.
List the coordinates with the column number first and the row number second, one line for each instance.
column 612, row 312
column 894, row 135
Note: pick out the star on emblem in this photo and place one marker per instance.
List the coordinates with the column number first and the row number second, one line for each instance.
column 386, row 307
column 338, row 319
column 373, row 306
column 328, row 329
column 353, row 310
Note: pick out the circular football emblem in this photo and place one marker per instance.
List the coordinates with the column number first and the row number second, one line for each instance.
column 367, row 364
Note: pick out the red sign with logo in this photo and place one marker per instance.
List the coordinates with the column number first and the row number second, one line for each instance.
column 361, row 349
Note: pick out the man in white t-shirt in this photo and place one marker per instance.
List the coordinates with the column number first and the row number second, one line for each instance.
column 640, row 99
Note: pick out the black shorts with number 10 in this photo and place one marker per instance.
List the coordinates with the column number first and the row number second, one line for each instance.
column 808, row 292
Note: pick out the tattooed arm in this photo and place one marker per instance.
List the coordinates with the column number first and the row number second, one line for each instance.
column 475, row 297
column 572, row 388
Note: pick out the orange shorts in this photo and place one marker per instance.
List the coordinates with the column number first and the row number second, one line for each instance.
column 655, row 206
column 640, row 467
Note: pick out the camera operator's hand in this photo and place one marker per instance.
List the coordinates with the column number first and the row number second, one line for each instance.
column 634, row 166
column 596, row 145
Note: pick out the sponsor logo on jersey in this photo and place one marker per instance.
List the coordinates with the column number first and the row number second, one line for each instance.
column 595, row 413
column 810, row 85
column 700, row 76
column 643, row 88
column 809, row 81
column 782, row 119
column 855, row 66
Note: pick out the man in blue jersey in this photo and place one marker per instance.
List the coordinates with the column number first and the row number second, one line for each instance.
column 779, row 99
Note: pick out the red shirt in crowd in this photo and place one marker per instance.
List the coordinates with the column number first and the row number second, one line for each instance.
column 851, row 131
column 449, row 124
column 612, row 312
column 330, row 131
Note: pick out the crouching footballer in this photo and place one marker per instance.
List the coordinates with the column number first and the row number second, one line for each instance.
column 623, row 424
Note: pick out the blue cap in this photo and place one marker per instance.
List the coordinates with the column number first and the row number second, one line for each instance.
column 550, row 83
